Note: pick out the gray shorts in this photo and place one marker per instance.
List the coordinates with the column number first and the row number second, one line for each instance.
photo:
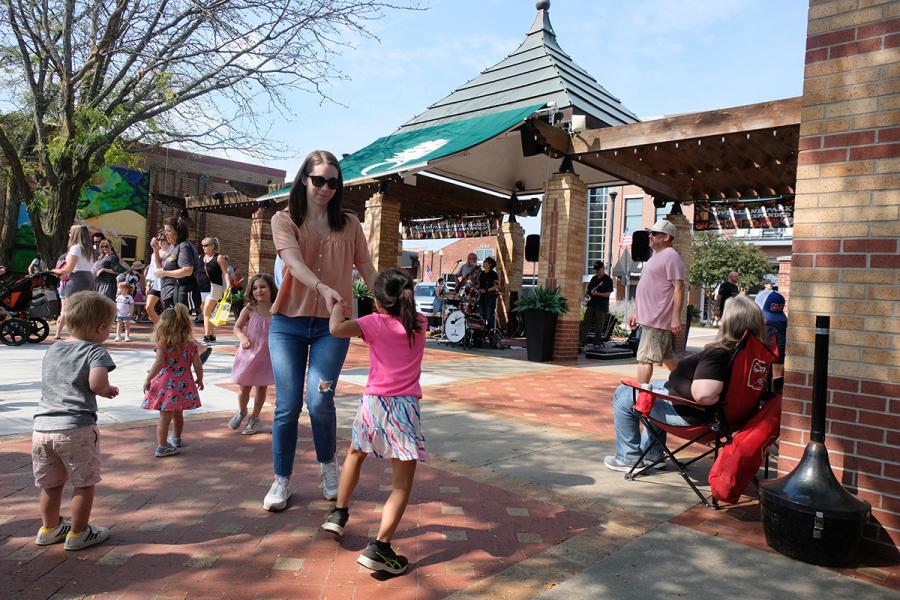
column 655, row 346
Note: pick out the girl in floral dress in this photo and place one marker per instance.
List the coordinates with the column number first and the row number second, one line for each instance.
column 169, row 387
column 252, row 363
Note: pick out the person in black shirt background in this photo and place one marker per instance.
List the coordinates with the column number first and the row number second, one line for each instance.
column 728, row 289
column 598, row 291
column 489, row 286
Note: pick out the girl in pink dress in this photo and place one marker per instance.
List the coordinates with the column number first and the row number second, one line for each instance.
column 252, row 364
column 169, row 387
column 388, row 421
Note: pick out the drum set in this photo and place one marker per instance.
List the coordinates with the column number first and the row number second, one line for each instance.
column 461, row 322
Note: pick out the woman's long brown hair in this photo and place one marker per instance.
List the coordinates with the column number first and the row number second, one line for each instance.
column 297, row 203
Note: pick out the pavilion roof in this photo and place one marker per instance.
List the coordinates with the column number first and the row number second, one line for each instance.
column 538, row 71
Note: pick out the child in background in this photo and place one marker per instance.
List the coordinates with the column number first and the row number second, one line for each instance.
column 124, row 310
column 252, row 363
column 66, row 442
column 169, row 387
column 387, row 421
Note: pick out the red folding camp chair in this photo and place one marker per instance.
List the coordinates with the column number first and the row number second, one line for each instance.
column 742, row 395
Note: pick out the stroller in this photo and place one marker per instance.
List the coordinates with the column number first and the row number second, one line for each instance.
column 25, row 305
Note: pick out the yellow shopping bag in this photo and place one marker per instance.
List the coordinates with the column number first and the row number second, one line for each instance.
column 222, row 312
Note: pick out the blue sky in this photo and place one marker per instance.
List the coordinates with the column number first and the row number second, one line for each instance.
column 660, row 57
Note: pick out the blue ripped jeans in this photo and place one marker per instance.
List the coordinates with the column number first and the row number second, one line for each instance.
column 293, row 340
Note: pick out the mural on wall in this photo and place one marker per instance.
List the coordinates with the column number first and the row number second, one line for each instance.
column 114, row 202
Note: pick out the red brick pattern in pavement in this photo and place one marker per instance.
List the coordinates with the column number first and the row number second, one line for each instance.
column 561, row 397
column 193, row 524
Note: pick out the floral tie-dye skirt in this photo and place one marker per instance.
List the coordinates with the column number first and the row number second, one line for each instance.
column 389, row 427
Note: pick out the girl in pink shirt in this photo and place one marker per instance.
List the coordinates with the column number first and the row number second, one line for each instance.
column 387, row 421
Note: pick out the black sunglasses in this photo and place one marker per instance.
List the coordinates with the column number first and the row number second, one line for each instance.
column 318, row 181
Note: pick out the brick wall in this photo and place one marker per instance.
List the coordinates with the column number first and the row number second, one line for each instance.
column 563, row 225
column 845, row 254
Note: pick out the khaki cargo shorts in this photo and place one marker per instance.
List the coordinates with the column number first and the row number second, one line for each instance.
column 70, row 454
column 655, row 346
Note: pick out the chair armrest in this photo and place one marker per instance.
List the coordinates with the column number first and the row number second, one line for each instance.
column 673, row 399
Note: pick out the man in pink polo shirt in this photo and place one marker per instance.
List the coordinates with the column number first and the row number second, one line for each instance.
column 660, row 300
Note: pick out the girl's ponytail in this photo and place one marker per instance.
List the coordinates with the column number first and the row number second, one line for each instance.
column 394, row 290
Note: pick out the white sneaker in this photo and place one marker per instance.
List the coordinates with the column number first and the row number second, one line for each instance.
column 90, row 536
column 330, row 477
column 45, row 536
column 278, row 494
column 127, row 338
column 117, row 339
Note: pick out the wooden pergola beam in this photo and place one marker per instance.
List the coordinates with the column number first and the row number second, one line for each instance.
column 764, row 115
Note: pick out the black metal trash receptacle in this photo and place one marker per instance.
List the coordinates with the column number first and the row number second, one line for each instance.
column 807, row 514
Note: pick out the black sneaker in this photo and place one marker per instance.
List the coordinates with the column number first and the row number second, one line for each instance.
column 205, row 355
column 378, row 559
column 336, row 521
column 212, row 338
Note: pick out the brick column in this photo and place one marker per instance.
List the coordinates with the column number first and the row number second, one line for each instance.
column 382, row 229
column 784, row 279
column 682, row 244
column 510, row 262
column 845, row 255
column 563, row 222
column 262, row 248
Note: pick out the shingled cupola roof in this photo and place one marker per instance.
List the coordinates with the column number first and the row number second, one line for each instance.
column 539, row 70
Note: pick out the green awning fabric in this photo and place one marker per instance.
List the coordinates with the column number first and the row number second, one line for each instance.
column 406, row 150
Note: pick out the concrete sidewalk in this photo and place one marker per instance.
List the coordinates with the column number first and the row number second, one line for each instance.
column 514, row 504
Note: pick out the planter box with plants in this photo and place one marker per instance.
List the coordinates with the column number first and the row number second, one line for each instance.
column 540, row 310
column 364, row 303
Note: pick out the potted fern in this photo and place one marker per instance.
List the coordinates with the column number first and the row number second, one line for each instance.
column 540, row 310
column 363, row 297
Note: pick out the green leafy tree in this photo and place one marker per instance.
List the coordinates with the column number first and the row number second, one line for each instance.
column 716, row 255
column 79, row 77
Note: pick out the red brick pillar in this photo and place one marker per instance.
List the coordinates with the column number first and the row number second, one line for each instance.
column 382, row 229
column 262, row 248
column 510, row 262
column 563, row 224
column 846, row 258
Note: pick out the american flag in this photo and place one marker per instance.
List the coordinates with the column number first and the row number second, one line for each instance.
column 428, row 275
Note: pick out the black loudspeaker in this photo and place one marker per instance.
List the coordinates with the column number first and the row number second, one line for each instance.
column 530, row 145
column 533, row 247
column 640, row 246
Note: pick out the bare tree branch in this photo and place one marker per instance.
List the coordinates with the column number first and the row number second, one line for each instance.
column 94, row 73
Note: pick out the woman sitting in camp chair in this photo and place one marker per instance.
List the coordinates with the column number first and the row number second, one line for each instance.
column 699, row 377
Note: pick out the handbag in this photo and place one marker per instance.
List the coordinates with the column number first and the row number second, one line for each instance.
column 222, row 312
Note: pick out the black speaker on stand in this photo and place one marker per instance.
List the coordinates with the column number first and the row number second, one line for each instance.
column 533, row 247
column 640, row 246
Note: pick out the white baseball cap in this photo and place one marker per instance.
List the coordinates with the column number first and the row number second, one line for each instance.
column 663, row 226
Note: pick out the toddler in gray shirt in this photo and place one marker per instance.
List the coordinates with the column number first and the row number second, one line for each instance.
column 65, row 444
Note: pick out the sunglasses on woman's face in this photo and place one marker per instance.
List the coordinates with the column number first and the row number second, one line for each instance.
column 318, row 181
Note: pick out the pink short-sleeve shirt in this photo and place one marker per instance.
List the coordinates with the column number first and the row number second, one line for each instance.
column 395, row 364
column 656, row 290
column 331, row 258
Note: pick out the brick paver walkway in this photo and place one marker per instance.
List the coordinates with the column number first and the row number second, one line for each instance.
column 192, row 526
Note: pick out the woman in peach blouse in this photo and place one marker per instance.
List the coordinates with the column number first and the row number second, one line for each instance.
column 319, row 244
